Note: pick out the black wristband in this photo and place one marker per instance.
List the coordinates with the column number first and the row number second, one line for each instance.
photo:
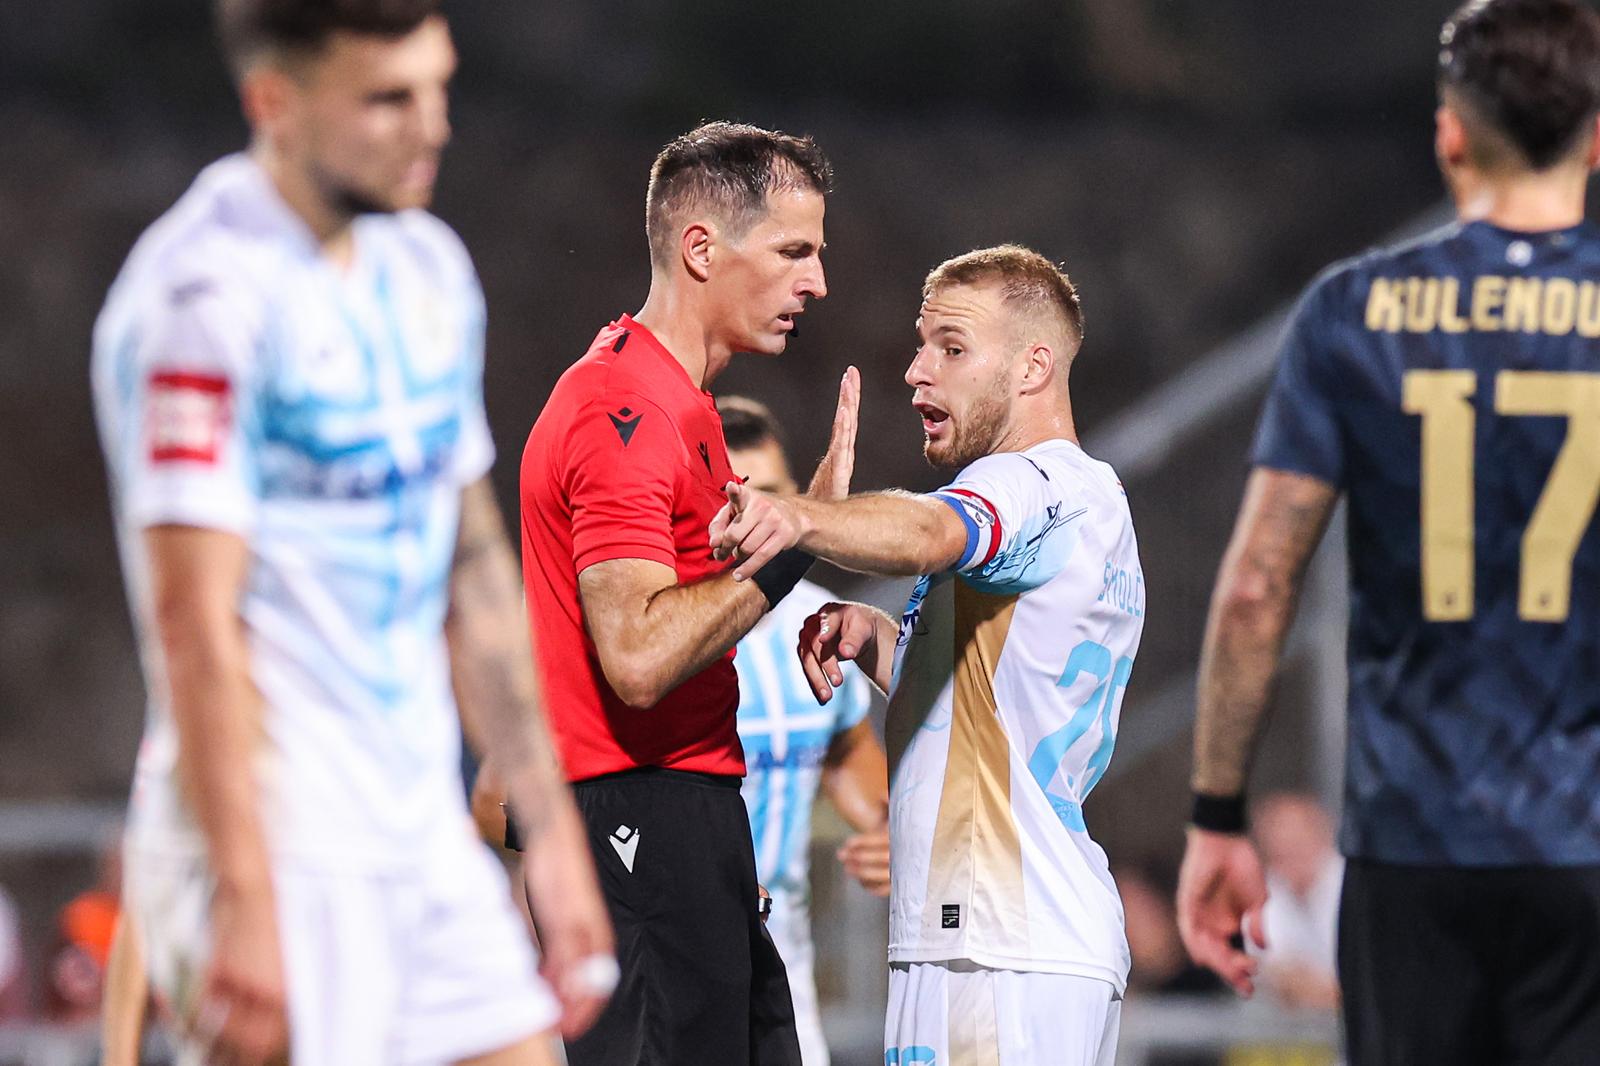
column 1219, row 814
column 513, row 839
column 779, row 577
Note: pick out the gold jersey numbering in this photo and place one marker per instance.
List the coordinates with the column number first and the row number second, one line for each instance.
column 1444, row 400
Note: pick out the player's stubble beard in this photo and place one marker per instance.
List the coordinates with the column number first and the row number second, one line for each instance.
column 977, row 432
column 346, row 199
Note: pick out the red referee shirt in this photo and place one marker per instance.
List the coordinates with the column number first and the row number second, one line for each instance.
column 626, row 461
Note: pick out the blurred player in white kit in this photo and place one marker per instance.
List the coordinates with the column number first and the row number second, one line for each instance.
column 288, row 382
column 794, row 749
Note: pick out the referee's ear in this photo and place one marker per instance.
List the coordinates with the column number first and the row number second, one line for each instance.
column 697, row 243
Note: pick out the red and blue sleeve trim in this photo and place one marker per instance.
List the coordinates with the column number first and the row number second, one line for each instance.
column 982, row 545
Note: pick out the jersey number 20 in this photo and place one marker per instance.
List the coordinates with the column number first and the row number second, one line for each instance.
column 1444, row 400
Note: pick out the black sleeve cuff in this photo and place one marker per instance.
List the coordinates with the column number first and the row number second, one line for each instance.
column 779, row 577
column 1219, row 814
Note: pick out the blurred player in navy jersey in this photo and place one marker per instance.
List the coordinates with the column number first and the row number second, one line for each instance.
column 1450, row 389
column 793, row 747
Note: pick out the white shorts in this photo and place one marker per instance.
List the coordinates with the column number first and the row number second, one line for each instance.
column 961, row 1014
column 790, row 928
column 420, row 967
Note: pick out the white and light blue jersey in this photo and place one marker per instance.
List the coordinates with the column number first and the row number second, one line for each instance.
column 786, row 736
column 1009, row 677
column 330, row 416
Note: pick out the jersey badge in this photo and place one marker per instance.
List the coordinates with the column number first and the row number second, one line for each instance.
column 625, row 422
column 187, row 416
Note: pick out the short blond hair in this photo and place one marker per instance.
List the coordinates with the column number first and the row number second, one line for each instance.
column 1027, row 281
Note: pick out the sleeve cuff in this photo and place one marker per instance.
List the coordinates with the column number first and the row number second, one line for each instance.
column 222, row 514
column 971, row 549
column 604, row 553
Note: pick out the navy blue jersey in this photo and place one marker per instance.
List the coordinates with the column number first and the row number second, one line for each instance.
column 1451, row 388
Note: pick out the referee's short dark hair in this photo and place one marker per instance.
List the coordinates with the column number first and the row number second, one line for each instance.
column 729, row 168
column 1525, row 77
column 251, row 29
column 747, row 423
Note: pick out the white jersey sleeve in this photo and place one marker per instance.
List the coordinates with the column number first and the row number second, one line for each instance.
column 1013, row 514
column 188, row 377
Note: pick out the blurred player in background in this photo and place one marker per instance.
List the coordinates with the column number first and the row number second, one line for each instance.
column 1304, row 871
column 637, row 621
column 792, row 746
column 1007, row 674
column 288, row 382
column 1450, row 389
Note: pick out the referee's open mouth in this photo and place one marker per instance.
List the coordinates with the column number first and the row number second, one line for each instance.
column 789, row 322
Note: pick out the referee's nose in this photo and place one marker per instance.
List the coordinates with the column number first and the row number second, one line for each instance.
column 814, row 282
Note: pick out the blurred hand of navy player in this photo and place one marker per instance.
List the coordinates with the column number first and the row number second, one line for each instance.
column 832, row 479
column 837, row 633
column 865, row 857
column 1221, row 891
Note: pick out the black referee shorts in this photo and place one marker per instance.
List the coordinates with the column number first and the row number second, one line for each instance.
column 1498, row 967
column 702, row 984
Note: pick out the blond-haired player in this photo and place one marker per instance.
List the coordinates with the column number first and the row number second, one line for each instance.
column 1006, row 675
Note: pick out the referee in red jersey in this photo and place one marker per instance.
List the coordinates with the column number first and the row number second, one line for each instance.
column 636, row 622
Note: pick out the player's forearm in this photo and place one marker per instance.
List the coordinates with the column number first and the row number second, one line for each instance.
column 876, row 660
column 855, row 778
column 216, row 710
column 1280, row 522
column 1244, row 637
column 895, row 533
column 492, row 665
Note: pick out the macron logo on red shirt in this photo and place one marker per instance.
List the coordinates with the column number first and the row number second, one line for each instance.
column 188, row 416
column 625, row 422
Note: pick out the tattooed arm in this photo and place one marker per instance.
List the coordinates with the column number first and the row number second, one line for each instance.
column 1280, row 523
column 491, row 662
column 1221, row 888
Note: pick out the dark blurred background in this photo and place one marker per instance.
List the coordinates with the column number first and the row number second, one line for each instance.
column 1192, row 163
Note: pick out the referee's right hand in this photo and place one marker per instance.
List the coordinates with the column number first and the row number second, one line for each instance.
column 1221, row 891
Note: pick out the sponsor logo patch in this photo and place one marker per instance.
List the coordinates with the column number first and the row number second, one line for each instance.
column 187, row 416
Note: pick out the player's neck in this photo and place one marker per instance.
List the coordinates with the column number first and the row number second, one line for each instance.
column 328, row 225
column 680, row 328
column 1053, row 423
column 1526, row 203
